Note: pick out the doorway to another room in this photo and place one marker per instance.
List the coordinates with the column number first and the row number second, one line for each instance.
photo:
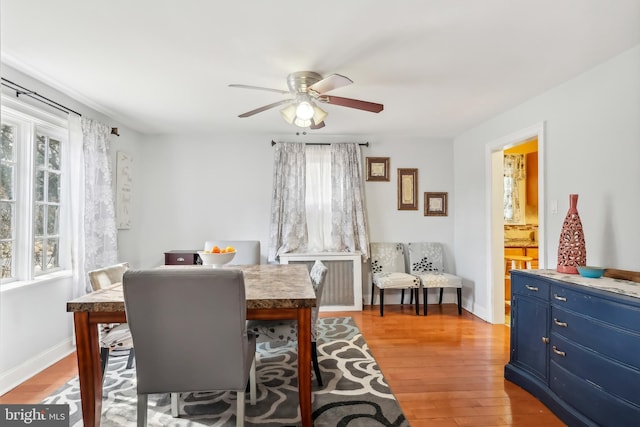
column 517, row 212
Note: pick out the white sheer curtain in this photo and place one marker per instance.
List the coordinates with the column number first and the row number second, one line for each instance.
column 75, row 202
column 318, row 175
column 100, row 231
column 318, row 200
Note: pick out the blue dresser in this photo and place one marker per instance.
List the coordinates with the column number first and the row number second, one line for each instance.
column 575, row 345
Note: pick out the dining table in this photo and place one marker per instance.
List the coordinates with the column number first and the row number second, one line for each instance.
column 273, row 292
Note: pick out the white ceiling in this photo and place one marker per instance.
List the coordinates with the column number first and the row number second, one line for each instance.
column 438, row 66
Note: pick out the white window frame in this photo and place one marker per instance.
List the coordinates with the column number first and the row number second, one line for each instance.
column 30, row 121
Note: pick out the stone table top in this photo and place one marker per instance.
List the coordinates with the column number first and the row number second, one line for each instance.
column 266, row 286
column 624, row 287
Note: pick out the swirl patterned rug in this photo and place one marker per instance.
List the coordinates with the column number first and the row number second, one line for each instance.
column 355, row 392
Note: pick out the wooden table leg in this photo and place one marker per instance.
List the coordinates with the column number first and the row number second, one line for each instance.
column 304, row 364
column 90, row 376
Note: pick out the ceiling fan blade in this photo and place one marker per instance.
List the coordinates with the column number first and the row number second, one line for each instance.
column 331, row 82
column 264, row 108
column 352, row 103
column 260, row 88
column 316, row 126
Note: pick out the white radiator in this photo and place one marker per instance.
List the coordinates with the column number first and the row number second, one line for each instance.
column 343, row 283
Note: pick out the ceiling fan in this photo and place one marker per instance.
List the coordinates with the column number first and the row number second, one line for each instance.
column 306, row 87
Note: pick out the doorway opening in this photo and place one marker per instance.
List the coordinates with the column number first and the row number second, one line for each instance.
column 515, row 237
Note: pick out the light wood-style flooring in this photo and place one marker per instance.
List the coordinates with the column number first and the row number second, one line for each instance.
column 445, row 370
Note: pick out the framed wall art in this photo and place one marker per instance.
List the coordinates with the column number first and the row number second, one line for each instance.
column 377, row 169
column 124, row 186
column 408, row 189
column 435, row 204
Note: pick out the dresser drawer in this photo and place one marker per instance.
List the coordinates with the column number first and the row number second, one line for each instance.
column 605, row 410
column 605, row 374
column 523, row 284
column 597, row 307
column 619, row 344
column 181, row 258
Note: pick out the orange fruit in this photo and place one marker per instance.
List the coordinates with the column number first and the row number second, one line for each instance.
column 231, row 249
column 215, row 250
column 223, row 250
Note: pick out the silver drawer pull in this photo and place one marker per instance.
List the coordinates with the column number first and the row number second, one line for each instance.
column 557, row 322
column 531, row 288
column 559, row 298
column 545, row 340
column 180, row 259
column 558, row 352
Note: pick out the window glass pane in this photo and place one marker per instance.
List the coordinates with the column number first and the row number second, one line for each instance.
column 6, row 221
column 54, row 187
column 38, row 257
column 54, row 154
column 52, row 220
column 39, row 220
column 41, row 146
column 52, row 254
column 6, row 182
column 6, row 142
column 6, row 259
column 40, row 186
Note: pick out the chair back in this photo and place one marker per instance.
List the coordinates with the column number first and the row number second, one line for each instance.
column 317, row 274
column 425, row 257
column 247, row 251
column 104, row 277
column 188, row 329
column 387, row 257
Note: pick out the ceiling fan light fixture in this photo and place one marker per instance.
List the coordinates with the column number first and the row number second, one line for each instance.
column 302, row 123
column 289, row 113
column 318, row 114
column 304, row 110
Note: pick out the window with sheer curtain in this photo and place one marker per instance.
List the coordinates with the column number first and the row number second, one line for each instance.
column 318, row 200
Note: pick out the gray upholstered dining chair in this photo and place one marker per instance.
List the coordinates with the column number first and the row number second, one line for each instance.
column 287, row 330
column 190, row 334
column 112, row 335
column 426, row 261
column 388, row 271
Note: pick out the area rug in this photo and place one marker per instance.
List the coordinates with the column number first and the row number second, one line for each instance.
column 354, row 394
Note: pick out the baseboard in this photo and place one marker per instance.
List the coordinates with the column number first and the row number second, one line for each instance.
column 26, row 370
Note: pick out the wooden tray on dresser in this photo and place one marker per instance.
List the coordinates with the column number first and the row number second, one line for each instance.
column 633, row 276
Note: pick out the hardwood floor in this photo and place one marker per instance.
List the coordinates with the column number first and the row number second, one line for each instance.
column 445, row 370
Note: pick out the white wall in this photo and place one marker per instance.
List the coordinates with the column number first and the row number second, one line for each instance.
column 592, row 142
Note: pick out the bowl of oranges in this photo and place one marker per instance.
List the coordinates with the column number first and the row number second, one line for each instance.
column 217, row 257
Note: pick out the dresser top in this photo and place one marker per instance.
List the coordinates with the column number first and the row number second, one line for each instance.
column 624, row 287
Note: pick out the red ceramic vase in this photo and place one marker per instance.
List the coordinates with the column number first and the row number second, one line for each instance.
column 572, row 251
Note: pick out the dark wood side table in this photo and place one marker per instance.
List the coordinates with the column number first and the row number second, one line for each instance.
column 182, row 257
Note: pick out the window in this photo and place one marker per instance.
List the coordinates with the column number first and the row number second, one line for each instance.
column 31, row 189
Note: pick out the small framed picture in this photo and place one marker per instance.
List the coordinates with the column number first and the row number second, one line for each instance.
column 435, row 204
column 377, row 169
column 408, row 189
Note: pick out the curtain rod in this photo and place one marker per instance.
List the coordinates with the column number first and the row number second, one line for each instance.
column 362, row 144
column 21, row 90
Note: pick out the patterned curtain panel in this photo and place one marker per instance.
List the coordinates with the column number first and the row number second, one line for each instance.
column 349, row 232
column 100, row 232
column 514, row 174
column 288, row 231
